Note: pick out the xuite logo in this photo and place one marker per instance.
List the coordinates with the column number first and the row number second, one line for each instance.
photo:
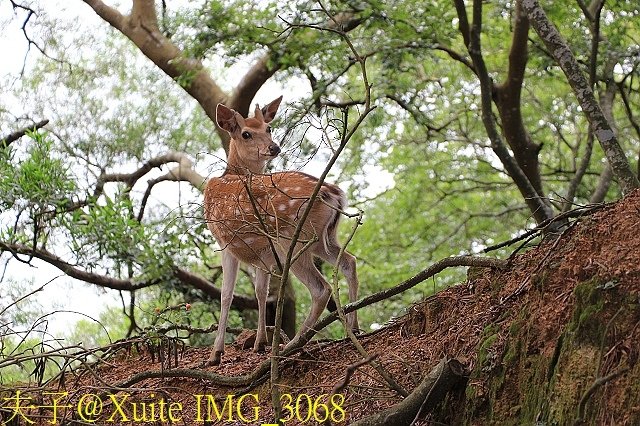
column 53, row 408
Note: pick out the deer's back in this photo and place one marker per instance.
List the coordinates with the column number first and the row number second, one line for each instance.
column 243, row 212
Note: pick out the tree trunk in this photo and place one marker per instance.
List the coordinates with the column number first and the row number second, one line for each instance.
column 539, row 208
column 288, row 308
column 509, row 101
column 558, row 47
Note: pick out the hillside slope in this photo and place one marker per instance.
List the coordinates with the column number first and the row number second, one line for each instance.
column 553, row 339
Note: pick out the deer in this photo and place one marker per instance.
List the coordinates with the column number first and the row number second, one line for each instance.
column 253, row 216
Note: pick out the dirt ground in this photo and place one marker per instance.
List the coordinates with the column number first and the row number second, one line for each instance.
column 476, row 322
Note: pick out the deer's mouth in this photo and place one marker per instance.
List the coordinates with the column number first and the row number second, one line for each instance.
column 270, row 154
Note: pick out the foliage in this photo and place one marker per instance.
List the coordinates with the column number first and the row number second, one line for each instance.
column 421, row 168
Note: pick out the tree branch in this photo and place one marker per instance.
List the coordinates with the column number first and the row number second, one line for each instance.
column 185, row 277
column 454, row 55
column 463, row 21
column 141, row 27
column 184, row 171
column 508, row 99
column 540, row 210
column 12, row 137
column 593, row 63
column 108, row 13
column 71, row 270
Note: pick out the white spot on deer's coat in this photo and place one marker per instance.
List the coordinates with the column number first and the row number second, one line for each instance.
column 282, row 207
column 292, row 203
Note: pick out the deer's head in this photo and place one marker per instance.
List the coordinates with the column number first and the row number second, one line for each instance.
column 251, row 146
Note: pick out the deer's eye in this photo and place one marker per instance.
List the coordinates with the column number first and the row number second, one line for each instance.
column 246, row 135
column 269, row 129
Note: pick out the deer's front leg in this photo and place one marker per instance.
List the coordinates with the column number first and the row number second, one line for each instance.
column 262, row 291
column 229, row 273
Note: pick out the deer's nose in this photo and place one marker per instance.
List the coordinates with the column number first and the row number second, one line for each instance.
column 274, row 150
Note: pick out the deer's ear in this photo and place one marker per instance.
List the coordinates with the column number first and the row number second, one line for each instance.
column 228, row 119
column 269, row 111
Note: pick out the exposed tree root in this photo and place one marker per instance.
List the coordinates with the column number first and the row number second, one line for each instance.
column 424, row 398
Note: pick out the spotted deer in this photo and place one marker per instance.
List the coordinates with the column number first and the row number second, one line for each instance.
column 253, row 217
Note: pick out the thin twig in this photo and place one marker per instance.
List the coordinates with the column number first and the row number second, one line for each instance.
column 363, row 352
column 349, row 372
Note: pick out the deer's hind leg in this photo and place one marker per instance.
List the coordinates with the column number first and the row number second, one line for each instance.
column 348, row 268
column 320, row 290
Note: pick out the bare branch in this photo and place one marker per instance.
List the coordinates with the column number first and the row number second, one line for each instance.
column 184, row 171
column 184, row 276
column 30, row 41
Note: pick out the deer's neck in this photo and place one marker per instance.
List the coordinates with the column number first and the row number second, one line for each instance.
column 236, row 165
